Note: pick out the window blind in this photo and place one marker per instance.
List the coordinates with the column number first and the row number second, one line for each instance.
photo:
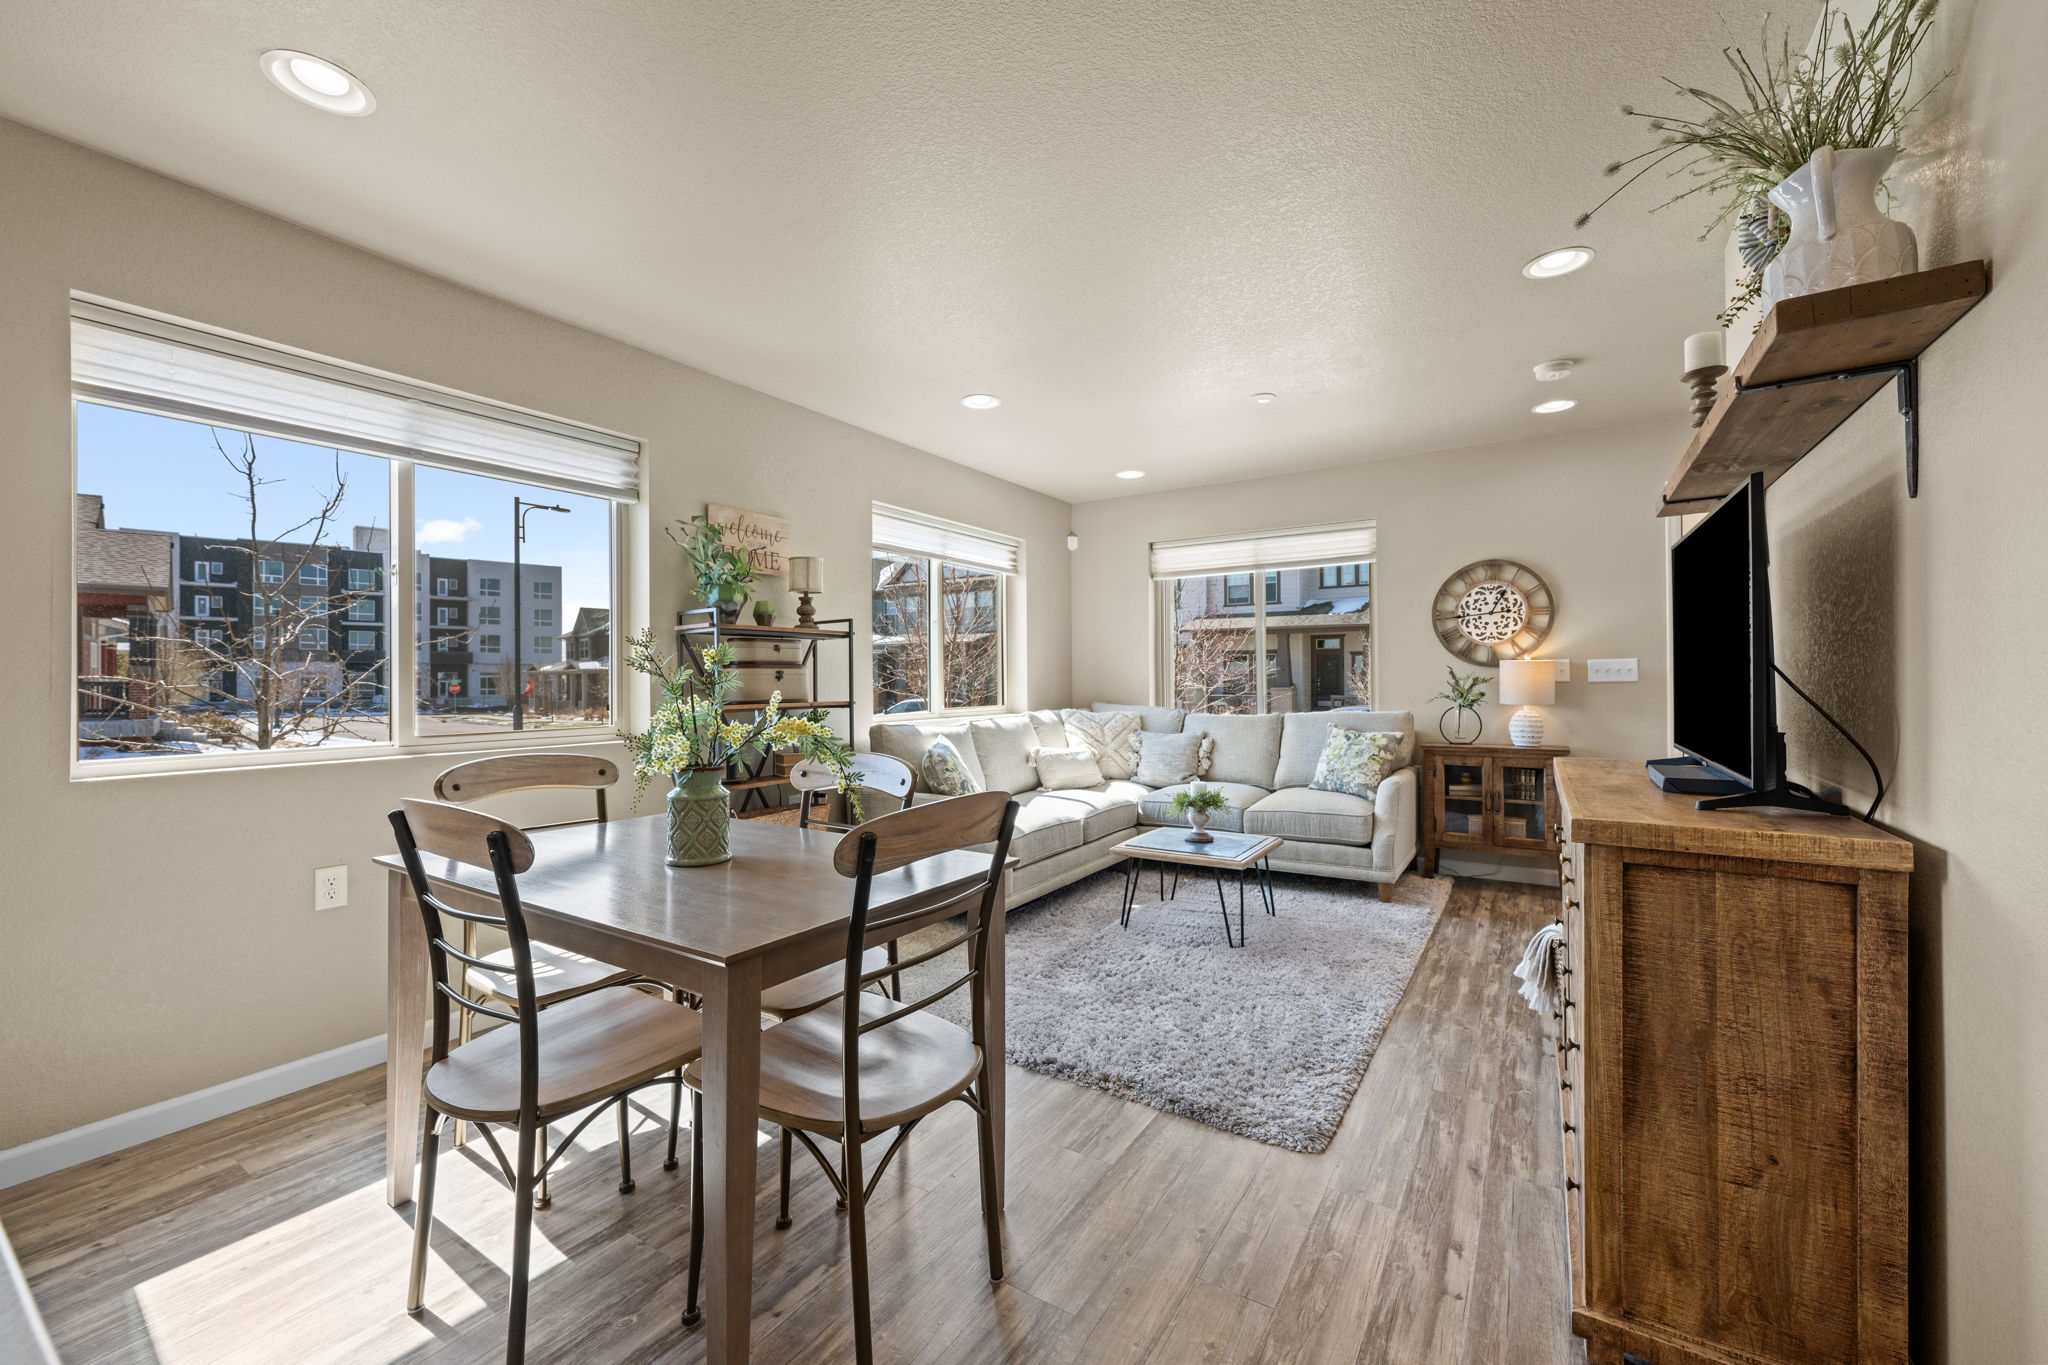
column 1304, row 547
column 133, row 360
column 913, row 533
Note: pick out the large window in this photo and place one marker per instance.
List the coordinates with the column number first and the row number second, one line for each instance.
column 234, row 533
column 938, row 620
column 1310, row 629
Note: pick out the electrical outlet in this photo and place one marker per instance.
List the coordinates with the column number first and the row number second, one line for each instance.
column 1564, row 669
column 1610, row 670
column 330, row 887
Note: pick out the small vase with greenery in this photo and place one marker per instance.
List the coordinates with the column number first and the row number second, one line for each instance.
column 1198, row 804
column 1854, row 89
column 689, row 739
column 764, row 612
column 1466, row 693
column 723, row 570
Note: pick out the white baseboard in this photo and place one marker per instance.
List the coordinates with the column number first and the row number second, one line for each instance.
column 94, row 1140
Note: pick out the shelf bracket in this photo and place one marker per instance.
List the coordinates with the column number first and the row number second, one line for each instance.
column 1907, row 372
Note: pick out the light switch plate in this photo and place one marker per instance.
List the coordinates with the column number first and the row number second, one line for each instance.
column 1610, row 670
column 1564, row 669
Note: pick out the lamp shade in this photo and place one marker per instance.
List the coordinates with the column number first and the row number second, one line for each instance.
column 806, row 573
column 1528, row 682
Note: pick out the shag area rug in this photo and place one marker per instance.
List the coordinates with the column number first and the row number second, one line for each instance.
column 1269, row 1040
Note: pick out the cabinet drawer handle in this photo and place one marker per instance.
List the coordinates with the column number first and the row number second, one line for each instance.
column 1571, row 1128
column 1571, row 1184
column 1569, row 1047
column 1571, row 902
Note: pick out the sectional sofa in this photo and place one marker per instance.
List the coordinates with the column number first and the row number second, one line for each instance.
column 1262, row 763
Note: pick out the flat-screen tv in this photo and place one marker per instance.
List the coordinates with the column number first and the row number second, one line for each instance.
column 1723, row 696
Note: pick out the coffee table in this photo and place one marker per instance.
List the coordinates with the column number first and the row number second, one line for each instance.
column 1225, row 852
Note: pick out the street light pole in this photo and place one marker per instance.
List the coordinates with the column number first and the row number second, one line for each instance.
column 520, row 507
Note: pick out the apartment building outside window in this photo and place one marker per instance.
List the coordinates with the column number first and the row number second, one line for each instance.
column 317, row 516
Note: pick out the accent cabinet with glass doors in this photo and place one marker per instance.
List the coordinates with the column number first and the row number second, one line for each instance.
column 1489, row 798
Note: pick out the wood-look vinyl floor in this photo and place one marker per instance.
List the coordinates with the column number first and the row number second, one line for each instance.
column 1430, row 1233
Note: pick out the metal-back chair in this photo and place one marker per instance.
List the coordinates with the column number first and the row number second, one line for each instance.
column 818, row 1080
column 587, row 1052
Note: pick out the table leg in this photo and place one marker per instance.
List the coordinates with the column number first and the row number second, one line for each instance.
column 405, row 1024
column 1130, row 891
column 996, row 1086
column 1266, row 885
column 732, row 1100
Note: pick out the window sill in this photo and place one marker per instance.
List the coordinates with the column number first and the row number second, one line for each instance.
column 480, row 746
column 958, row 713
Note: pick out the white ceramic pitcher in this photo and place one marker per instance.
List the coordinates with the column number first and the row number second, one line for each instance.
column 1839, row 235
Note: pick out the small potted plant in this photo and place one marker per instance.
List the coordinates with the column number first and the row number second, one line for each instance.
column 724, row 573
column 1466, row 694
column 764, row 612
column 1198, row 803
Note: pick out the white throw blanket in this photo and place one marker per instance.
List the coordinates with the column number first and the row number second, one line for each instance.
column 1538, row 969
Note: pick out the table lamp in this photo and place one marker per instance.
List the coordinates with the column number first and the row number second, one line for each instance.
column 806, row 576
column 1527, row 683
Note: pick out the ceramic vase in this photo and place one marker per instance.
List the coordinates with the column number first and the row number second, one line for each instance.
column 699, row 819
column 1198, row 827
column 1839, row 236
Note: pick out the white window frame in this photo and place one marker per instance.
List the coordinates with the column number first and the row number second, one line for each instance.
column 545, row 644
column 543, row 618
column 354, row 647
column 627, row 584
column 493, row 643
column 1006, row 637
column 362, row 609
column 362, row 580
column 544, row 590
column 445, row 587
column 490, row 616
column 303, row 645
column 312, row 575
column 490, row 587
column 263, row 574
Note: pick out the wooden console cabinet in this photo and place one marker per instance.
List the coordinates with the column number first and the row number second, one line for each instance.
column 1487, row 797
column 1731, row 1048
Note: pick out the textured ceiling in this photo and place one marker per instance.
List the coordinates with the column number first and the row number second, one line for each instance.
column 1122, row 218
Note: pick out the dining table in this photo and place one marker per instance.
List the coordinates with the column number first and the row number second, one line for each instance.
column 724, row 933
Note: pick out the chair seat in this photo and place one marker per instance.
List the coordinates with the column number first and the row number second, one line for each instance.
column 590, row 1048
column 805, row 993
column 907, row 1069
column 558, row 974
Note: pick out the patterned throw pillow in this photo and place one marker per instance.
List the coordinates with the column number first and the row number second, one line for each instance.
column 1355, row 761
column 1068, row 769
column 945, row 772
column 1112, row 736
column 1167, row 760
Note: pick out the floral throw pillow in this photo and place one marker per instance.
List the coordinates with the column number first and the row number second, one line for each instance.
column 1355, row 761
column 1112, row 736
column 945, row 772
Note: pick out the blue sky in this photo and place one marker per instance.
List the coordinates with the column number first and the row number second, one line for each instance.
column 159, row 474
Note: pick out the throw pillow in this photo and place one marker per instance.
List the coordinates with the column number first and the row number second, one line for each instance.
column 945, row 772
column 1167, row 760
column 1354, row 761
column 1112, row 736
column 1206, row 756
column 1068, row 769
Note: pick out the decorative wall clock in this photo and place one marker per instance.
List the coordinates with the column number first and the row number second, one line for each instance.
column 1492, row 610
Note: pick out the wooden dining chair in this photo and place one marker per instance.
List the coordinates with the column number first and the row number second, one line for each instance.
column 588, row 1052
column 559, row 974
column 876, row 1066
column 883, row 780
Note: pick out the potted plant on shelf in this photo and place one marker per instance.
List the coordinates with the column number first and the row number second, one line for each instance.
column 723, row 570
column 1795, row 159
column 1198, row 803
column 764, row 612
column 689, row 739
column 1466, row 693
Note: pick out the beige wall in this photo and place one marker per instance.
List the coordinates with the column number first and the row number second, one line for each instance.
column 156, row 934
column 1575, row 508
column 1921, row 624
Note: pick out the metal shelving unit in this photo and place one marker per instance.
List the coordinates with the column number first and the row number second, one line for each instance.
column 754, row 778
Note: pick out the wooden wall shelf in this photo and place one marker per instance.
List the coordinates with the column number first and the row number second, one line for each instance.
column 1817, row 359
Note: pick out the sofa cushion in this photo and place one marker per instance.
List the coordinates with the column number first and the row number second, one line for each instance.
column 1045, row 826
column 1167, row 760
column 1304, row 734
column 1050, row 727
column 1003, row 744
column 944, row 771
column 908, row 741
column 1158, row 719
column 1354, row 762
column 1155, row 807
column 1111, row 808
column 1112, row 735
column 1247, row 747
column 1313, row 816
column 1067, row 769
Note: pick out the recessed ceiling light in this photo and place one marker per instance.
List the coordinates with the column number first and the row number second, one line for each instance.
column 1554, row 405
column 981, row 400
column 1130, row 473
column 318, row 82
column 1262, row 398
column 1562, row 261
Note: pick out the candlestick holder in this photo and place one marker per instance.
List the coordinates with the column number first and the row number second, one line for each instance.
column 1704, row 390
